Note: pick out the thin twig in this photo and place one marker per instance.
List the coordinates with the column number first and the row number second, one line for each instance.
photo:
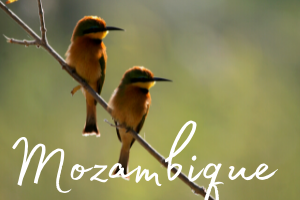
column 43, row 42
column 42, row 22
column 112, row 125
column 22, row 42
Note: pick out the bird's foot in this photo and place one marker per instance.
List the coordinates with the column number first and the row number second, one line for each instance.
column 73, row 70
column 75, row 89
column 128, row 129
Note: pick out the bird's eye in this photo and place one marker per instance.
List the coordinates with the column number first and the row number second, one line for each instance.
column 92, row 29
column 139, row 79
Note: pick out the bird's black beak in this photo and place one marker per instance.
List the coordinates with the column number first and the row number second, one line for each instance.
column 161, row 79
column 111, row 28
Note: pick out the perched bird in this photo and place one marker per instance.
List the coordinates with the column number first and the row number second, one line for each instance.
column 129, row 106
column 87, row 55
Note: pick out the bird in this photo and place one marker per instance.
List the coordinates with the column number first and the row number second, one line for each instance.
column 129, row 106
column 87, row 56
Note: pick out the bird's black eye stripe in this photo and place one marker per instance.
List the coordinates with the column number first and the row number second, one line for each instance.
column 140, row 79
column 90, row 30
column 93, row 30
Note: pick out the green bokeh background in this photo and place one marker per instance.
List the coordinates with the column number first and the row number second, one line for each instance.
column 235, row 71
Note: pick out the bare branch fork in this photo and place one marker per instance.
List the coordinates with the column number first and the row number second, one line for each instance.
column 42, row 41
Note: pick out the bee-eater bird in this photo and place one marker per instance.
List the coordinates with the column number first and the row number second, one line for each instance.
column 87, row 56
column 129, row 106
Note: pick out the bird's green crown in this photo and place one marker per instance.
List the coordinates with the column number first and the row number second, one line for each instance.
column 140, row 77
column 137, row 74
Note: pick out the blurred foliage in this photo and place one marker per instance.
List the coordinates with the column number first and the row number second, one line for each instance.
column 235, row 71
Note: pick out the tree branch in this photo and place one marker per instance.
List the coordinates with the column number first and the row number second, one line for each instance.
column 42, row 41
column 42, row 22
column 22, row 42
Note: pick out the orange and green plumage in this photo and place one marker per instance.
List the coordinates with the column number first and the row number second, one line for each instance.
column 129, row 106
column 87, row 56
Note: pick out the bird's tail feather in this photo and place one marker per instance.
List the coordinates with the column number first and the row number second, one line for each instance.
column 123, row 160
column 90, row 127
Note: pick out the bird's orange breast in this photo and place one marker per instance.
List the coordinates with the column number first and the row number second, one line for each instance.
column 83, row 55
column 129, row 105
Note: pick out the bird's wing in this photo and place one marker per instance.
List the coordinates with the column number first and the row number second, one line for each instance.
column 100, row 82
column 116, row 123
column 140, row 125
